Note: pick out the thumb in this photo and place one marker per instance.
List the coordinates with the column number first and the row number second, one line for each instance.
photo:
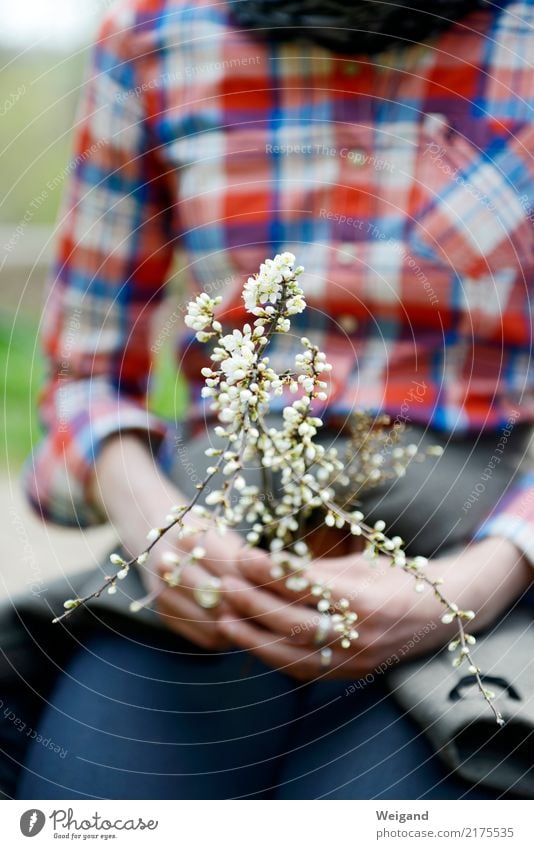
column 327, row 566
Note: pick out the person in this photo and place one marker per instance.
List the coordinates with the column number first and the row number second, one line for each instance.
column 390, row 151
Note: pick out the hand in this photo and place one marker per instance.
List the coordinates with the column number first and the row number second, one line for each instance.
column 177, row 605
column 133, row 494
column 279, row 626
column 225, row 556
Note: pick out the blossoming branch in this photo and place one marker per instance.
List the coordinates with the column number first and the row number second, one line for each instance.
column 240, row 384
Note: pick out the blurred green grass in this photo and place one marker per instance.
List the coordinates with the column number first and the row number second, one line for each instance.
column 169, row 393
column 21, row 376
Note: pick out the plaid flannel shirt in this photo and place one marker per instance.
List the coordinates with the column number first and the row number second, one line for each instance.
column 404, row 185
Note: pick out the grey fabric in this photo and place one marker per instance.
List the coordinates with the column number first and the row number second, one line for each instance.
column 458, row 722
column 427, row 507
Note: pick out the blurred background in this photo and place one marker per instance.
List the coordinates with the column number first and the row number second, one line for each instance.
column 44, row 48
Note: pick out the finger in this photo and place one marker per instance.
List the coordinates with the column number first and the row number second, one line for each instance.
column 320, row 573
column 180, row 614
column 291, row 619
column 192, row 577
column 222, row 551
column 186, row 607
column 182, row 597
column 299, row 663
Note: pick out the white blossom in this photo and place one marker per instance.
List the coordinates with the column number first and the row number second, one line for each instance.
column 170, row 558
column 116, row 559
column 276, row 278
column 200, row 312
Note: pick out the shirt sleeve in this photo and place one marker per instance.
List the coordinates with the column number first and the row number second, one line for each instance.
column 113, row 254
column 513, row 518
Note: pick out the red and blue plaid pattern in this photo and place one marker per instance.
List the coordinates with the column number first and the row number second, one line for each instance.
column 404, row 185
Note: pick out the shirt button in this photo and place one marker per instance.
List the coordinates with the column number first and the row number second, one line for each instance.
column 357, row 156
column 349, row 323
column 434, row 121
column 352, row 68
column 346, row 254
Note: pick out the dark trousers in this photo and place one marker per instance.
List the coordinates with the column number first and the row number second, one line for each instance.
column 166, row 722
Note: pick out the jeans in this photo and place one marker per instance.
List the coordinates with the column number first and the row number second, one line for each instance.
column 168, row 721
